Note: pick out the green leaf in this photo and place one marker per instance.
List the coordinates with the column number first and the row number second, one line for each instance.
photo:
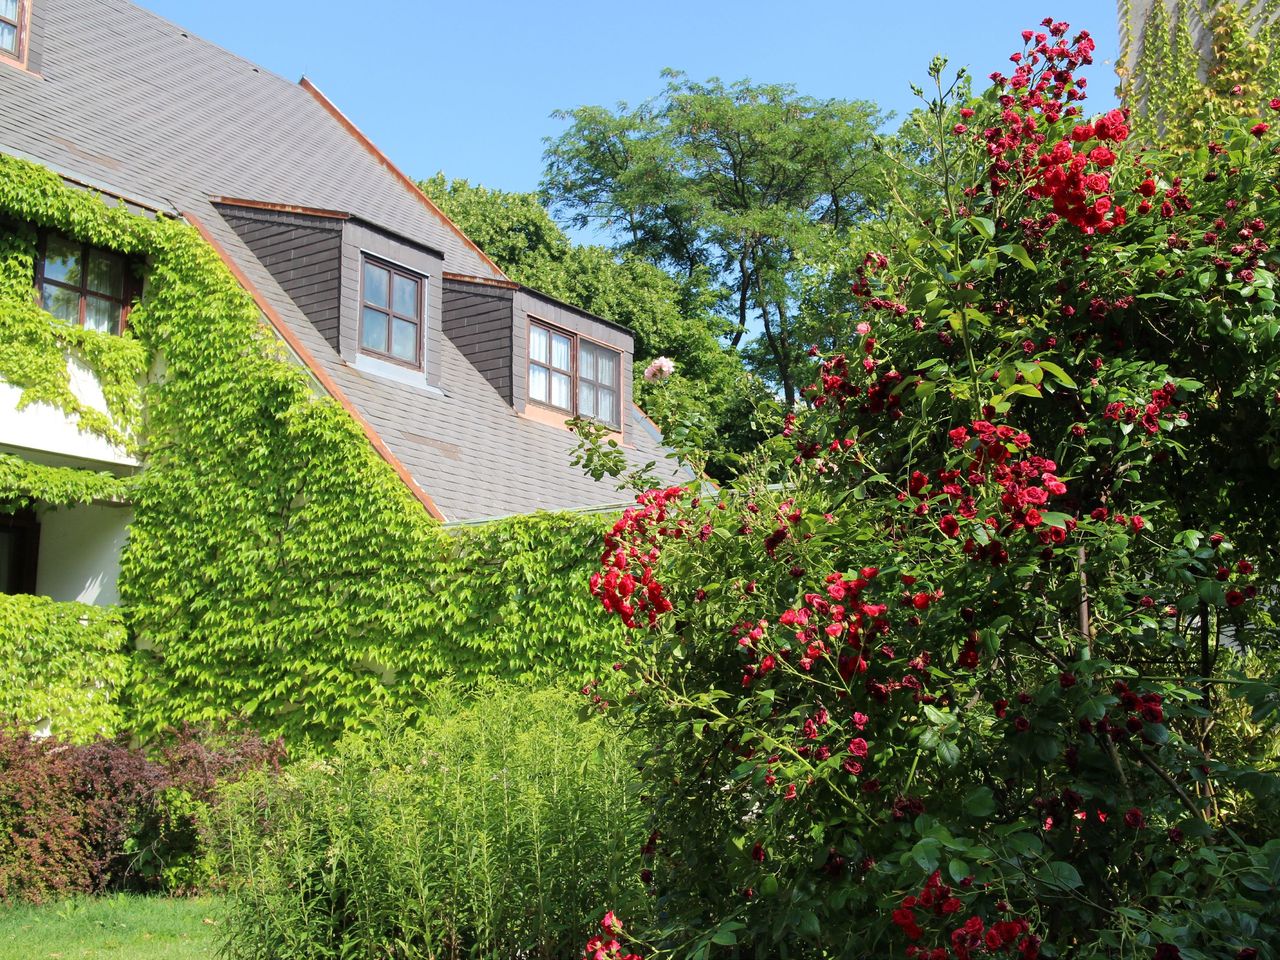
column 1060, row 874
column 1019, row 253
column 1058, row 373
column 980, row 802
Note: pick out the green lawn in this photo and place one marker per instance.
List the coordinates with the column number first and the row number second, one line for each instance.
column 111, row 928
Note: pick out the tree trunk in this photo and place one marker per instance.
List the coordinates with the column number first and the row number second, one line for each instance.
column 744, row 291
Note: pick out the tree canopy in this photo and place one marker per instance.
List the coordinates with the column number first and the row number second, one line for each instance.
column 727, row 182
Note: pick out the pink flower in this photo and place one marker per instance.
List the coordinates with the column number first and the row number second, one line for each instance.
column 863, row 328
column 660, row 369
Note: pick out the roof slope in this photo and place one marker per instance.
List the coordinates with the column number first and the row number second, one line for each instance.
column 132, row 99
column 128, row 100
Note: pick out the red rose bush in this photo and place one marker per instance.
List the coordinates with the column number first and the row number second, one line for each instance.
column 980, row 659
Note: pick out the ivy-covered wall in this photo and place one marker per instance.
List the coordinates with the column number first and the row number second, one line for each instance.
column 61, row 664
column 1186, row 66
column 277, row 568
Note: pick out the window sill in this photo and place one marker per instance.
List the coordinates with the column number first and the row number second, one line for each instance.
column 385, row 370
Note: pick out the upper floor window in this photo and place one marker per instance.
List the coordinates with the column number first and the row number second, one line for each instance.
column 11, row 27
column 574, row 375
column 391, row 311
column 82, row 284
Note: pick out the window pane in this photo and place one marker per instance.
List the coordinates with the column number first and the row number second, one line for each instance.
column 586, row 361
column 539, row 384
column 560, row 351
column 606, row 409
column 106, row 273
column 62, row 303
column 586, row 399
column 561, row 391
column 9, row 10
column 62, row 260
column 376, row 282
column 539, row 347
column 373, row 330
column 406, row 294
column 404, row 339
column 100, row 314
column 607, row 367
column 8, row 38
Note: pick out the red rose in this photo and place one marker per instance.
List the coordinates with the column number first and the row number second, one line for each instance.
column 1134, row 820
column 949, row 525
column 1258, row 129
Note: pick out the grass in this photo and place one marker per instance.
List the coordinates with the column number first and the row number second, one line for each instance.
column 111, row 928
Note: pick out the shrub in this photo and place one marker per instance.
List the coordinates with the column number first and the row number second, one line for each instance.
column 491, row 830
column 963, row 683
column 84, row 818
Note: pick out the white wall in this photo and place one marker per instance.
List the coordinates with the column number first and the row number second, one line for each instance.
column 47, row 429
column 80, row 552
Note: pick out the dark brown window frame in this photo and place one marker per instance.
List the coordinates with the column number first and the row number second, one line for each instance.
column 23, row 574
column 20, row 26
column 575, row 339
column 420, row 321
column 125, row 301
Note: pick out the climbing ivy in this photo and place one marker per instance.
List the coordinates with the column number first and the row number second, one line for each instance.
column 277, row 568
column 62, row 664
column 23, row 483
column 1196, row 64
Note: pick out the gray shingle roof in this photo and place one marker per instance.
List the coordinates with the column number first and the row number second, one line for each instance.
column 126, row 99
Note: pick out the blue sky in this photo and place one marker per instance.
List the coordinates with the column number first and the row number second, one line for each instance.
column 468, row 87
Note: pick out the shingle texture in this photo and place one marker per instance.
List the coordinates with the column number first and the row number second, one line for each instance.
column 127, row 99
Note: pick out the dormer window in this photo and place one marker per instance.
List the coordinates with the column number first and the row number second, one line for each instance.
column 391, row 313
column 12, row 13
column 83, row 285
column 574, row 375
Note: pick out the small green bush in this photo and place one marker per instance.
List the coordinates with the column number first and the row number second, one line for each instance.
column 494, row 828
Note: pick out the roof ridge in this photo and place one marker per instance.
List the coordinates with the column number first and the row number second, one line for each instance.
column 395, row 171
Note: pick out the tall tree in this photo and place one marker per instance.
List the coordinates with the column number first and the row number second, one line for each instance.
column 717, row 406
column 732, row 180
